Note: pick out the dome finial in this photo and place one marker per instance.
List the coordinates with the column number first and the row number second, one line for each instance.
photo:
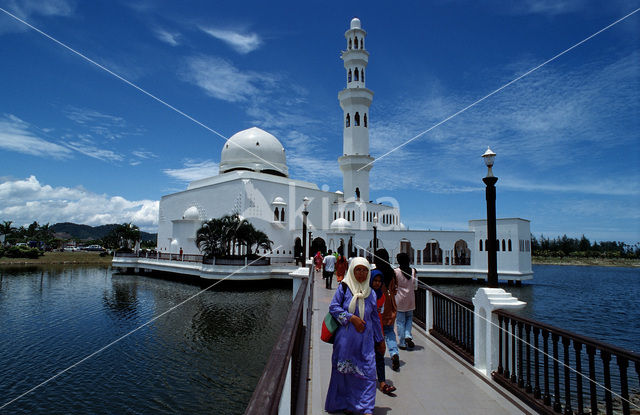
column 355, row 23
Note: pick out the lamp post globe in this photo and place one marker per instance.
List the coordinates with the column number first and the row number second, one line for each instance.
column 492, row 256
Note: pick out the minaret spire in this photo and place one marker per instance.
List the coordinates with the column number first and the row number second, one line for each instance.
column 355, row 101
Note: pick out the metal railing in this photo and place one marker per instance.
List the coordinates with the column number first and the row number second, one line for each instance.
column 195, row 258
column 555, row 381
column 452, row 319
column 290, row 356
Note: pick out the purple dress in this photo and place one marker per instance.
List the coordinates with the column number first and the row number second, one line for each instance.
column 353, row 363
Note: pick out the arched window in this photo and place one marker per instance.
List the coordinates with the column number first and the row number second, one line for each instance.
column 365, row 120
column 349, row 76
column 353, row 215
column 497, row 245
column 361, row 43
column 504, row 246
column 349, row 43
column 276, row 214
column 486, row 244
column 355, row 42
column 335, row 215
column 355, row 75
column 356, row 119
column 461, row 253
column 348, row 121
column 480, row 245
column 282, row 215
column 509, row 245
column 362, row 75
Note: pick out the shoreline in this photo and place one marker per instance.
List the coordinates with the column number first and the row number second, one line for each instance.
column 587, row 262
column 94, row 258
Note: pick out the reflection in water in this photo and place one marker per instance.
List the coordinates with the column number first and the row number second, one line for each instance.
column 203, row 357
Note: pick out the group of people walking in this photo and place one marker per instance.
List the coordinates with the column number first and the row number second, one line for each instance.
column 370, row 304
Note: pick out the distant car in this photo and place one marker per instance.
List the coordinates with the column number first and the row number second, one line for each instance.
column 22, row 244
column 94, row 248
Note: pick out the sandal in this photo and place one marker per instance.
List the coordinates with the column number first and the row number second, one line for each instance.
column 388, row 389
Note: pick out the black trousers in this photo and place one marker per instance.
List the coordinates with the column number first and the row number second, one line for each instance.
column 328, row 278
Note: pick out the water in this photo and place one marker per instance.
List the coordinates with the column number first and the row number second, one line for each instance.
column 598, row 302
column 206, row 356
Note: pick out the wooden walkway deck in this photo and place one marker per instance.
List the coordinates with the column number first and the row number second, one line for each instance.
column 431, row 380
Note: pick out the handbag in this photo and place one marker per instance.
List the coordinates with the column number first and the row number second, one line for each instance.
column 329, row 324
column 329, row 327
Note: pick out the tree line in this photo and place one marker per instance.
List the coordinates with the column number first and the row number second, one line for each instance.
column 40, row 238
column 582, row 248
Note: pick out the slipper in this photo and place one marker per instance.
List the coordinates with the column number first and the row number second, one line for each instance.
column 388, row 389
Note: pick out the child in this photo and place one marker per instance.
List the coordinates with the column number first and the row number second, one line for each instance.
column 376, row 286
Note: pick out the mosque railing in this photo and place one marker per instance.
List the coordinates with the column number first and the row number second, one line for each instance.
column 447, row 318
column 282, row 388
column 555, row 370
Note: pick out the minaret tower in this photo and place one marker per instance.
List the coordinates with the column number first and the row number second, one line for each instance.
column 355, row 101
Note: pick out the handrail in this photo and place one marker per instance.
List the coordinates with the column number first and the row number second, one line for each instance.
column 562, row 367
column 266, row 396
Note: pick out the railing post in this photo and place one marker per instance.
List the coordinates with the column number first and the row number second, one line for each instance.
column 428, row 310
column 486, row 336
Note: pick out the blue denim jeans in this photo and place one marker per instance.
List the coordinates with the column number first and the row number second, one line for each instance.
column 404, row 321
column 390, row 337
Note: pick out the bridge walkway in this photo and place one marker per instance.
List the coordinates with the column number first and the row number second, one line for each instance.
column 431, row 380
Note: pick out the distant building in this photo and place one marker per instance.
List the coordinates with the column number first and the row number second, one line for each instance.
column 254, row 182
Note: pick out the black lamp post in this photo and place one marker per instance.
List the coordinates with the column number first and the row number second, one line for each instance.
column 305, row 213
column 375, row 236
column 492, row 257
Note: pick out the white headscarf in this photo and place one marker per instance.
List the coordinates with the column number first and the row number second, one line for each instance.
column 359, row 290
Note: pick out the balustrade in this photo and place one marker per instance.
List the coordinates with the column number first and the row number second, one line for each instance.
column 568, row 350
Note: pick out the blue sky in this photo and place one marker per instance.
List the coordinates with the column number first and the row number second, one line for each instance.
column 77, row 144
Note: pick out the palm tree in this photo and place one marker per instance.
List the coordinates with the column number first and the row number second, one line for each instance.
column 262, row 241
column 219, row 236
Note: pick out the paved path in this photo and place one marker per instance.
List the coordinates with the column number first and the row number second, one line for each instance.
column 430, row 380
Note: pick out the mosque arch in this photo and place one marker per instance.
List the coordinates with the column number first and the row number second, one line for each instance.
column 349, row 43
column 362, row 75
column 509, row 245
column 318, row 244
column 355, row 42
column 405, row 247
column 276, row 214
column 282, row 215
column 480, row 245
column 353, row 215
column 504, row 245
column 335, row 215
column 349, row 76
column 362, row 44
column 365, row 120
column 356, row 119
column 355, row 75
column 461, row 253
column 432, row 253
column 348, row 121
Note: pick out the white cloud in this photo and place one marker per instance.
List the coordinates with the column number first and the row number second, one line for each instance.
column 25, row 201
column 28, row 9
column 167, row 37
column 220, row 79
column 16, row 135
column 88, row 148
column 194, row 171
column 240, row 42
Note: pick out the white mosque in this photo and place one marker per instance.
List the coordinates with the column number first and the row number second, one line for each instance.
column 254, row 182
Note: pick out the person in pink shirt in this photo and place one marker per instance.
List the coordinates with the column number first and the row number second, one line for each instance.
column 405, row 300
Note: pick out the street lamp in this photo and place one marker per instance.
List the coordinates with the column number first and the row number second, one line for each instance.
column 492, row 258
column 305, row 213
column 375, row 236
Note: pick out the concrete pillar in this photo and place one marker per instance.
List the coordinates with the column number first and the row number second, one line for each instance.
column 486, row 300
column 429, row 310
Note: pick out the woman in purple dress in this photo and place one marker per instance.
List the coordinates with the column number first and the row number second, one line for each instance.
column 353, row 372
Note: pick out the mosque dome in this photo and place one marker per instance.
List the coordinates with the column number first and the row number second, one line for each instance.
column 191, row 214
column 355, row 23
column 340, row 224
column 254, row 150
